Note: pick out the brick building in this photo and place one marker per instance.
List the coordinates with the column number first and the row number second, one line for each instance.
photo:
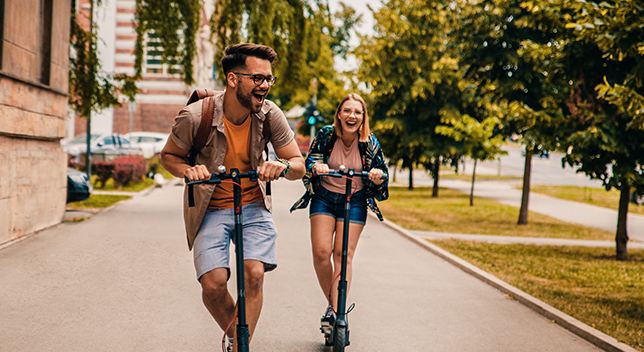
column 34, row 63
column 161, row 91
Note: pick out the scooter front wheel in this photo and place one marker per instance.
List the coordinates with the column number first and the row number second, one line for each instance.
column 340, row 338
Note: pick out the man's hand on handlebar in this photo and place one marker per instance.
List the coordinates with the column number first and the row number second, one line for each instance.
column 197, row 173
column 271, row 171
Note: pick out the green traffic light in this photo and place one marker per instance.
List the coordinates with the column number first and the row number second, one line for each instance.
column 312, row 120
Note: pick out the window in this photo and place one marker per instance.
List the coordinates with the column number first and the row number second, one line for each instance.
column 46, row 10
column 2, row 14
column 153, row 53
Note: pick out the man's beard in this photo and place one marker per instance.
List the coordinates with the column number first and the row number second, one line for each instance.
column 246, row 100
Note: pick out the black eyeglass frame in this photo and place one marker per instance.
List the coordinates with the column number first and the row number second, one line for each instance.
column 259, row 79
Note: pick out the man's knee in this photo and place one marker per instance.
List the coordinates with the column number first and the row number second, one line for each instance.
column 214, row 284
column 254, row 274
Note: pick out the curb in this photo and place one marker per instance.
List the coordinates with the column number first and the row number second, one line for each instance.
column 594, row 336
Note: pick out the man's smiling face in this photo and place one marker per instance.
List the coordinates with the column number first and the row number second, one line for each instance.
column 250, row 95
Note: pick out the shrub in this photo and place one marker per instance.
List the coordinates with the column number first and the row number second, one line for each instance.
column 103, row 170
column 128, row 169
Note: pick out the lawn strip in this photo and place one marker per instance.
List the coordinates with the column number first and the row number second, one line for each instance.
column 450, row 212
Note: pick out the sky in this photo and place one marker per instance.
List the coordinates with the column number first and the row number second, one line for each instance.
column 365, row 28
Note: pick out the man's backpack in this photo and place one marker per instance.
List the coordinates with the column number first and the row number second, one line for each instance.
column 203, row 132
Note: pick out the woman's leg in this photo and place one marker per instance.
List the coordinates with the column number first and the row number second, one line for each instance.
column 322, row 229
column 354, row 235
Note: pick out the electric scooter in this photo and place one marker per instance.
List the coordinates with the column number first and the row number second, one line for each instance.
column 339, row 336
column 235, row 176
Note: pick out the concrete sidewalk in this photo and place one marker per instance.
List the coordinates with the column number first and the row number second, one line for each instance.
column 123, row 281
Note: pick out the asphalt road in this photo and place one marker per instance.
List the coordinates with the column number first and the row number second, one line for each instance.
column 124, row 281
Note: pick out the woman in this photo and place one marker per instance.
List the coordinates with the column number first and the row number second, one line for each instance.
column 347, row 142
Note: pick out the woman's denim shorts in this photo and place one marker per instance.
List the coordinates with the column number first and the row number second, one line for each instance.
column 325, row 202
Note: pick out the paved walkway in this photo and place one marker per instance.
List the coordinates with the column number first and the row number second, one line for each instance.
column 123, row 281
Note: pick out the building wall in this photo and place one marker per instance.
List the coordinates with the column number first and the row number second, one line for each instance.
column 33, row 109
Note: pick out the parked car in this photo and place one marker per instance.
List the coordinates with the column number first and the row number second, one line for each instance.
column 78, row 185
column 111, row 143
column 151, row 143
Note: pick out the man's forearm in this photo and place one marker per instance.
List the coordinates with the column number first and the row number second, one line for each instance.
column 297, row 169
column 174, row 164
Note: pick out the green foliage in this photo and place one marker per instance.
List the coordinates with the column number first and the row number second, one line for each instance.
column 90, row 88
column 411, row 77
column 305, row 38
column 175, row 23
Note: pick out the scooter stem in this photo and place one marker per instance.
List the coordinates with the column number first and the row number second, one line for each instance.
column 243, row 334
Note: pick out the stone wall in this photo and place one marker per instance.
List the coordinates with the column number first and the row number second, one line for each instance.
column 33, row 110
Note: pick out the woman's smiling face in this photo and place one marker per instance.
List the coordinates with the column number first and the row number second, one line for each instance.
column 351, row 116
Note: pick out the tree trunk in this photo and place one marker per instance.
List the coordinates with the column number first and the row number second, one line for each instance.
column 411, row 178
column 621, row 237
column 437, row 166
column 525, row 194
column 473, row 179
column 395, row 172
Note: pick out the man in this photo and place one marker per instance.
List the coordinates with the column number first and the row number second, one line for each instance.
column 237, row 141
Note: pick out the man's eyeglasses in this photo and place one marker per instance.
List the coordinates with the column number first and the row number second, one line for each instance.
column 259, row 79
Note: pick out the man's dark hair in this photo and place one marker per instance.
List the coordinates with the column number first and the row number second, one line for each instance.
column 235, row 55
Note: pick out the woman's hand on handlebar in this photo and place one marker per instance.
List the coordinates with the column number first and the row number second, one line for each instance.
column 197, row 173
column 271, row 171
column 320, row 169
column 375, row 176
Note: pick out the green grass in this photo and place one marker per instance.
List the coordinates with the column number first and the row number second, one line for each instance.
column 594, row 196
column 586, row 283
column 451, row 212
column 110, row 186
column 98, row 201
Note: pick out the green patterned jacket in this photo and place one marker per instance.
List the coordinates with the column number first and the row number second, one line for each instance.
column 371, row 155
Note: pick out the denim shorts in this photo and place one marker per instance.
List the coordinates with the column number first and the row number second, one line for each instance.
column 212, row 243
column 325, row 202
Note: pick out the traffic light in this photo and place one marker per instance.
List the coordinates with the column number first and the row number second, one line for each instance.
column 313, row 115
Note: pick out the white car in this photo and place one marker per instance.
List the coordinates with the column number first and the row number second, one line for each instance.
column 100, row 143
column 151, row 143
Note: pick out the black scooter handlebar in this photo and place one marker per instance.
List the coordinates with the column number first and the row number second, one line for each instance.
column 222, row 175
column 350, row 173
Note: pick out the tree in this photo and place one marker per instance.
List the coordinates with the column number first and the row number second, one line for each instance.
column 604, row 104
column 601, row 101
column 491, row 35
column 410, row 78
column 91, row 89
column 480, row 135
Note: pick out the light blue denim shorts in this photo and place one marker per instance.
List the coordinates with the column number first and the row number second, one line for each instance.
column 212, row 243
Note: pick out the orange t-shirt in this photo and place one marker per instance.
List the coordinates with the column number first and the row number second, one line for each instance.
column 237, row 157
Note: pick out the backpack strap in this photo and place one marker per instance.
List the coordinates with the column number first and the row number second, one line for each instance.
column 266, row 132
column 205, row 125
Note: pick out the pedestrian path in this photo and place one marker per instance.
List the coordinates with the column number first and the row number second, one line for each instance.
column 124, row 281
column 524, row 240
column 572, row 212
